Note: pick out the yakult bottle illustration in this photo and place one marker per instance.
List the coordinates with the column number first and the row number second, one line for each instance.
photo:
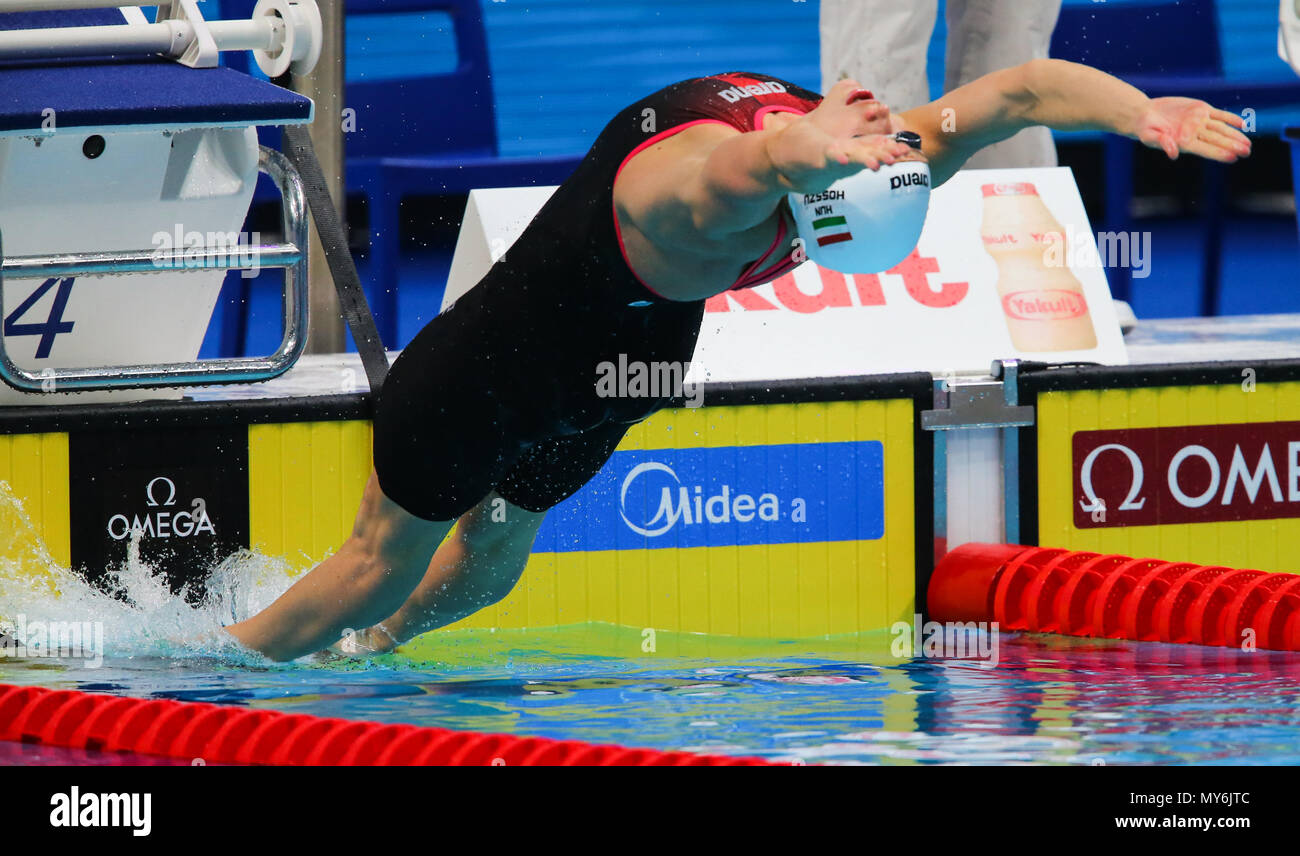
column 1041, row 298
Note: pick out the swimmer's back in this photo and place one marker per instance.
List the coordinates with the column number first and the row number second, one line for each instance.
column 573, row 241
column 498, row 392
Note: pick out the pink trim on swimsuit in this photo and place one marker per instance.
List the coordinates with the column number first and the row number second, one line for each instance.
column 773, row 108
column 782, row 265
column 662, row 135
column 748, row 272
column 750, row 275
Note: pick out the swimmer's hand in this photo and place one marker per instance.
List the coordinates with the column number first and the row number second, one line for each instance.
column 1178, row 125
column 847, row 132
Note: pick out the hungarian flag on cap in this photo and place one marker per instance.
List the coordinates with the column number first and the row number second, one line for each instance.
column 831, row 229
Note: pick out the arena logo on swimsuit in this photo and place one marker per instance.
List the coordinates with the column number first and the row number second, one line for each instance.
column 732, row 94
column 725, row 496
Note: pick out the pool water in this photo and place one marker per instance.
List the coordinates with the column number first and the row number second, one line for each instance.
column 1048, row 700
column 852, row 699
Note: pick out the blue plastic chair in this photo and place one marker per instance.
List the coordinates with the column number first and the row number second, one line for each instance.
column 430, row 135
column 1163, row 47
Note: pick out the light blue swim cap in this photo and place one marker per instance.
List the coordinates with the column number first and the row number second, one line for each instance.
column 867, row 222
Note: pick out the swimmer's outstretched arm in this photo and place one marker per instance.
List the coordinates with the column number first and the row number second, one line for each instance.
column 700, row 187
column 1067, row 96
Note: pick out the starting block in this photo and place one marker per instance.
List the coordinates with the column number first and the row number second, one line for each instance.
column 124, row 184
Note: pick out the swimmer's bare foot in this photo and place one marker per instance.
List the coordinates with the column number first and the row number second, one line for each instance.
column 363, row 643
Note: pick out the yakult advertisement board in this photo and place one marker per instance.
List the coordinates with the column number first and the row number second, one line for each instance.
column 1007, row 266
column 985, row 282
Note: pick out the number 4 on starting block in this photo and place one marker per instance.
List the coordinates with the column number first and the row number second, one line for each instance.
column 53, row 324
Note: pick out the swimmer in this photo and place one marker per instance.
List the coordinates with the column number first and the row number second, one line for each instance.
column 491, row 416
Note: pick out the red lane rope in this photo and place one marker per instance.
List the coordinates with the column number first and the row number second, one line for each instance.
column 1115, row 597
column 225, row 734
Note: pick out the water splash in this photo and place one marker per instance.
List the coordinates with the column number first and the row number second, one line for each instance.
column 133, row 610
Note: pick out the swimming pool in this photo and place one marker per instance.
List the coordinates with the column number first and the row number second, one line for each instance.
column 841, row 699
column 1048, row 700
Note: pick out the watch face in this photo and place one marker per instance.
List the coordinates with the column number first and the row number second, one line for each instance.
column 913, row 139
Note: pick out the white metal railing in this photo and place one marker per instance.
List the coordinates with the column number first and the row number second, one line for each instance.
column 282, row 34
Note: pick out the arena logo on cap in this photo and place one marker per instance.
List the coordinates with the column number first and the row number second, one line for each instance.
column 725, row 496
column 909, row 179
column 1188, row 474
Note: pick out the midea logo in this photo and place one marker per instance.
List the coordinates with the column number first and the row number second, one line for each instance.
column 690, row 506
column 160, row 493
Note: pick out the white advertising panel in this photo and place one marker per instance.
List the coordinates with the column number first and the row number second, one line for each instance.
column 1007, row 266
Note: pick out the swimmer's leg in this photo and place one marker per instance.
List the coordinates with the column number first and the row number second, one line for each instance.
column 481, row 563
column 370, row 576
column 475, row 567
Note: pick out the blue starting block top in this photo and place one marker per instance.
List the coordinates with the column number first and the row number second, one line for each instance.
column 106, row 93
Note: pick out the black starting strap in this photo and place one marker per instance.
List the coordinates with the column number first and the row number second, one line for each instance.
column 334, row 241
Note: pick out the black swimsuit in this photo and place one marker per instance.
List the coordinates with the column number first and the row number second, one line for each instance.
column 499, row 391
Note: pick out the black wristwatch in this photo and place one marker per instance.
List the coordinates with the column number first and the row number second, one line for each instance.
column 912, row 138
